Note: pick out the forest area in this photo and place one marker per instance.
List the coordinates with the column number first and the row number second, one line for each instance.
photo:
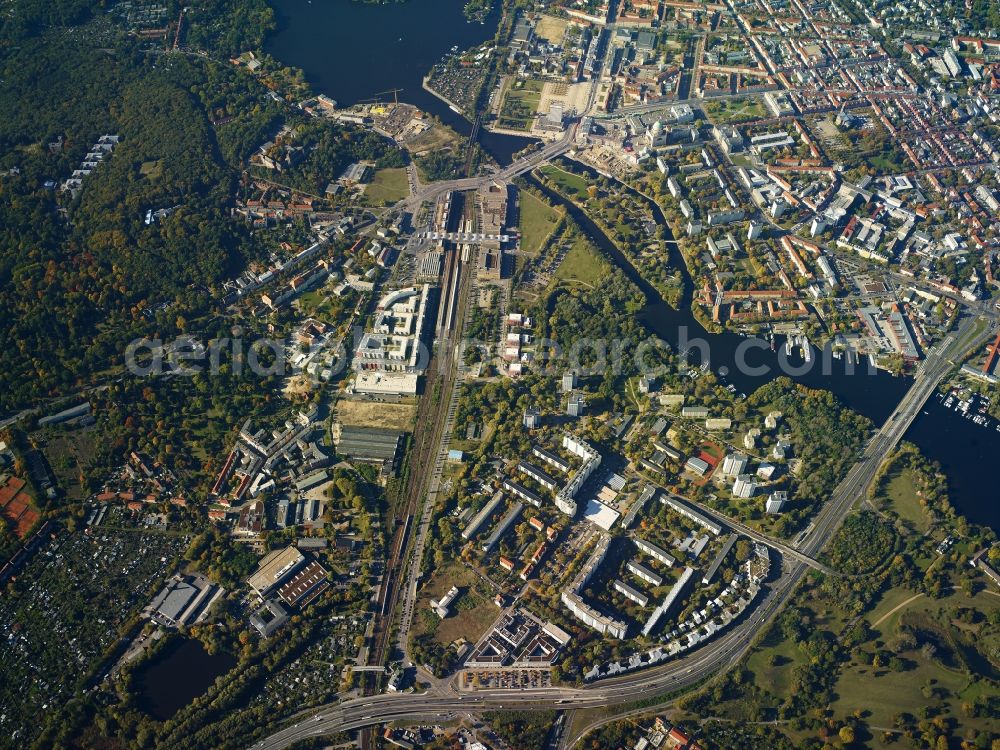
column 84, row 272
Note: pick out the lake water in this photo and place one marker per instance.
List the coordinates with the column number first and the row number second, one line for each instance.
column 352, row 51
column 177, row 675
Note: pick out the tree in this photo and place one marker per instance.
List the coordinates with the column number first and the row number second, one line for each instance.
column 846, row 734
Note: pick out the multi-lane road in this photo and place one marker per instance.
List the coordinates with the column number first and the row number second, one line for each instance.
column 433, row 191
column 682, row 673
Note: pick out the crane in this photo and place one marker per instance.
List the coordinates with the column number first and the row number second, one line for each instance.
column 394, row 92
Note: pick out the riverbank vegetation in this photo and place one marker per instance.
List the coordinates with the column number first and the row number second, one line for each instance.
column 903, row 647
column 626, row 218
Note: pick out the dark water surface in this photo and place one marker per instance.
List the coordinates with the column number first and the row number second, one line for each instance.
column 964, row 450
column 352, row 51
column 177, row 675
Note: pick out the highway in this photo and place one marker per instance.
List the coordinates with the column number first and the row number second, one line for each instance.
column 433, row 191
column 719, row 655
column 443, row 702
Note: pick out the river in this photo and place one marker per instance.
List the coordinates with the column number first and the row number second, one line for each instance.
column 961, row 447
column 352, row 51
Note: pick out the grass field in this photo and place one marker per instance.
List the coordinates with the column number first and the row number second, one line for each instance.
column 376, row 414
column 572, row 185
column 883, row 693
column 900, row 494
column 388, row 186
column 151, row 170
column 320, row 304
column 777, row 676
column 520, row 104
column 472, row 613
column 538, row 219
column 735, row 110
column 582, row 264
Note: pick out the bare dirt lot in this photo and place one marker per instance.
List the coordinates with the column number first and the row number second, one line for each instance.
column 376, row 414
column 551, row 28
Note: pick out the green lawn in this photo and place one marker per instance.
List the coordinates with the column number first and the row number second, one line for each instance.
column 886, row 604
column 388, row 186
column 520, row 105
column 900, row 494
column 538, row 219
column 775, row 677
column 319, row 304
column 884, row 693
column 724, row 112
column 572, row 185
column 582, row 264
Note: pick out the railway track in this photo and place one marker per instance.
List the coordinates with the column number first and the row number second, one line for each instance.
column 431, row 419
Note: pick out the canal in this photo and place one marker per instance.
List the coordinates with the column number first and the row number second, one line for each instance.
column 353, row 50
column 961, row 447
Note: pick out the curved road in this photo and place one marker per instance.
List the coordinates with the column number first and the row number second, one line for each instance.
column 720, row 654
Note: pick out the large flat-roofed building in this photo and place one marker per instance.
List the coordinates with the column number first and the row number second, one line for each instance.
column 440, row 606
column 640, row 571
column 587, row 614
column 647, row 494
column 522, row 492
column 378, row 383
column 269, row 618
column 719, row 559
column 630, row 593
column 602, row 623
column 274, row 569
column 491, row 210
column 305, row 585
column 591, row 460
column 184, row 599
column 392, row 344
column 696, row 465
column 551, row 458
column 505, row 523
column 670, row 601
column 540, row 476
column 369, row 443
column 735, row 464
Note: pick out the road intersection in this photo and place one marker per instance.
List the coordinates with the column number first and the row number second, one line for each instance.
column 683, row 673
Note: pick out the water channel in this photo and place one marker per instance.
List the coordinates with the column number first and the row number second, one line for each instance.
column 353, row 50
column 962, row 447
